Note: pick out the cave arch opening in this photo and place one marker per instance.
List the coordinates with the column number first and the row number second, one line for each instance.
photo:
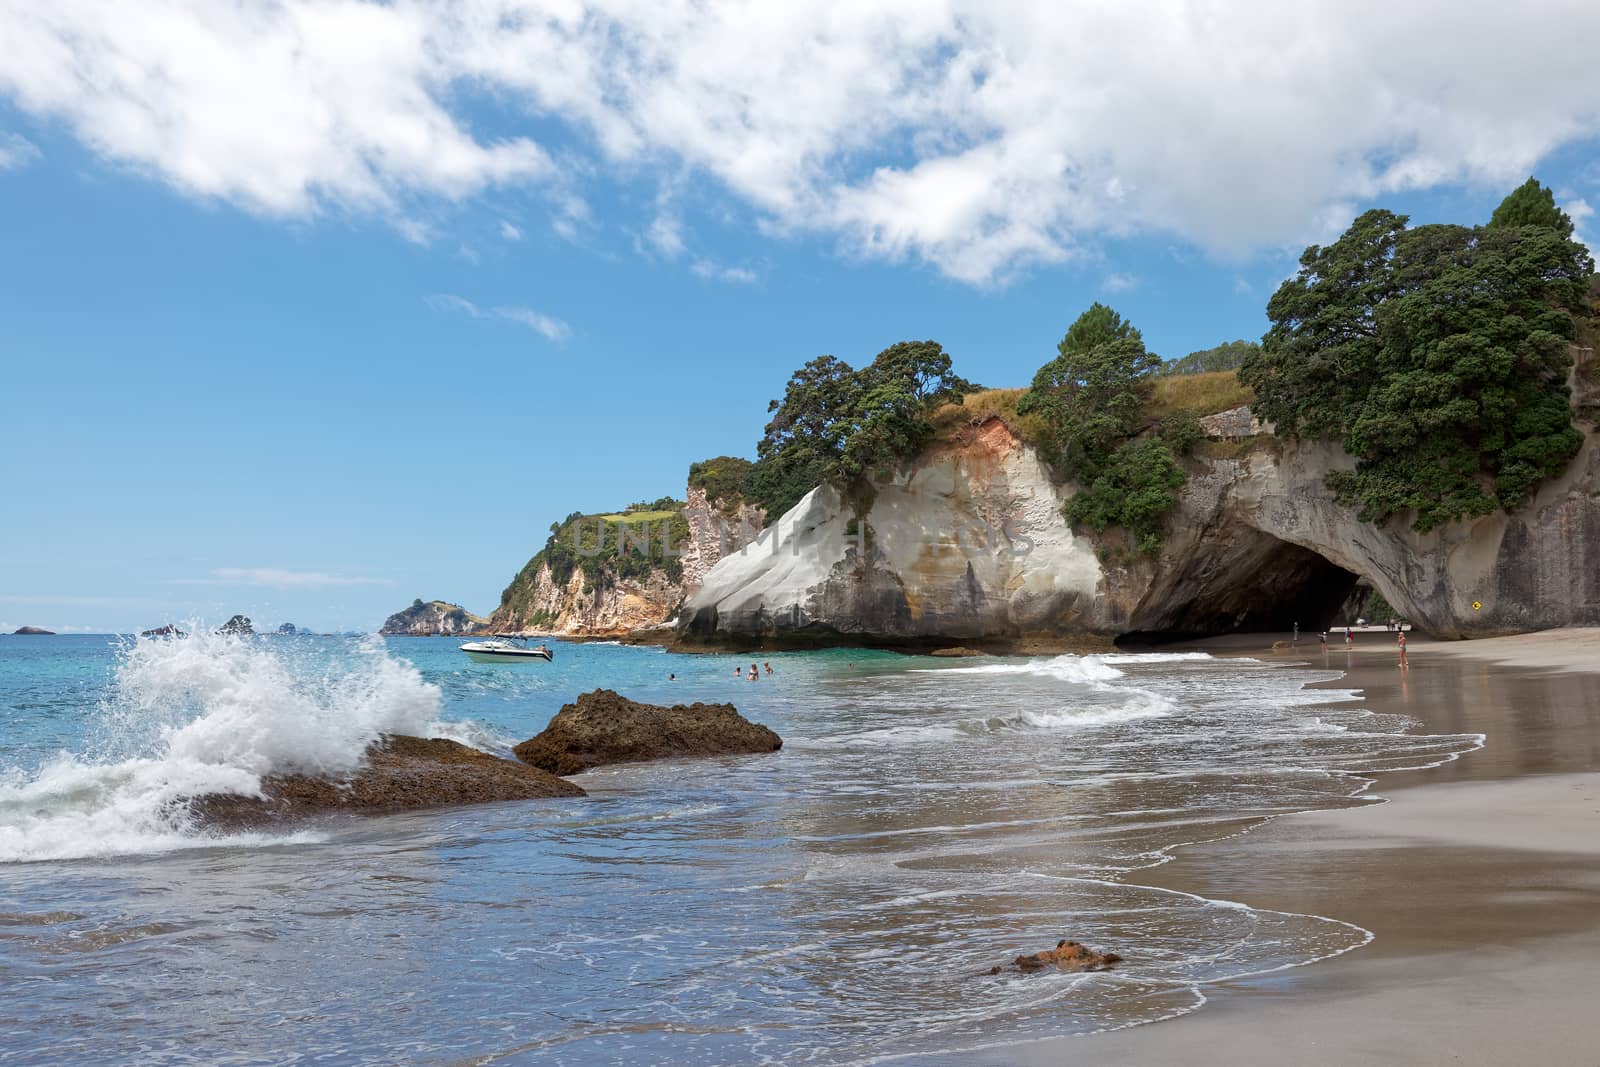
column 1256, row 583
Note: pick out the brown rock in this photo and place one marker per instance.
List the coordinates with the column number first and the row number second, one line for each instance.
column 604, row 727
column 401, row 774
column 1066, row 956
column 958, row 651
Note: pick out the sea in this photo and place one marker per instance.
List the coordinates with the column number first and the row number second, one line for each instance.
column 842, row 901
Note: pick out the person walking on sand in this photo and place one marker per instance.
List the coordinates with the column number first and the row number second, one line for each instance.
column 1349, row 636
column 1405, row 664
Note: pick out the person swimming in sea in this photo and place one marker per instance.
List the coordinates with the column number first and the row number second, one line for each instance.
column 755, row 675
column 768, row 665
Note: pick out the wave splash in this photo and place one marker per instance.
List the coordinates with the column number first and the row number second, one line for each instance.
column 208, row 713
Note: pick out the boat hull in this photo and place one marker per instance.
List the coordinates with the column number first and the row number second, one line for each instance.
column 508, row 658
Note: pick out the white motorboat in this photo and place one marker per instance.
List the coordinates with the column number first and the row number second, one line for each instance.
column 505, row 650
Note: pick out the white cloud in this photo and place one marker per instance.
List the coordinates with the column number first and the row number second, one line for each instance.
column 276, row 578
column 666, row 236
column 509, row 232
column 1117, row 282
column 1580, row 212
column 705, row 268
column 553, row 329
column 16, row 151
column 978, row 137
column 1242, row 286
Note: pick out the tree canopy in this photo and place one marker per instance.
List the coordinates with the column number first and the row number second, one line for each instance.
column 1531, row 204
column 1437, row 355
column 1091, row 399
column 1227, row 356
column 837, row 424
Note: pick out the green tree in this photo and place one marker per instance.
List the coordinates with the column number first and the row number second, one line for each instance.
column 899, row 390
column 1436, row 355
column 1531, row 204
column 1091, row 399
column 806, row 436
column 1094, row 392
column 839, row 425
column 1227, row 356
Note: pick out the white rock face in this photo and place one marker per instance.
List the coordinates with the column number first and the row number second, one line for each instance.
column 968, row 542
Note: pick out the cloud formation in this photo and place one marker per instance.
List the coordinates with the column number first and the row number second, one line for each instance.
column 276, row 578
column 551, row 328
column 16, row 151
column 980, row 138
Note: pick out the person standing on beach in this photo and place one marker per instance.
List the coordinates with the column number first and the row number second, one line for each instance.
column 1405, row 664
column 1349, row 636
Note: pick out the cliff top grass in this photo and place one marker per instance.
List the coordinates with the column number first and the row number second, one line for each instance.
column 1198, row 394
column 634, row 516
column 977, row 408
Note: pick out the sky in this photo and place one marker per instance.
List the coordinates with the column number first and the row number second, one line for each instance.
column 312, row 307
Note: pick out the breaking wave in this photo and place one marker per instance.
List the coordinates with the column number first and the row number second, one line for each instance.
column 209, row 713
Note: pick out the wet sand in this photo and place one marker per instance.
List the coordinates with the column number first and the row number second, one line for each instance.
column 1480, row 880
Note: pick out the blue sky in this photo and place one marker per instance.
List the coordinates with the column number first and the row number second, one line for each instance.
column 297, row 373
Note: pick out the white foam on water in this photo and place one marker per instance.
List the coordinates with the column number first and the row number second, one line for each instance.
column 1066, row 668
column 207, row 714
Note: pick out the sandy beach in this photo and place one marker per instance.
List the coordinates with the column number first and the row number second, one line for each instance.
column 1479, row 879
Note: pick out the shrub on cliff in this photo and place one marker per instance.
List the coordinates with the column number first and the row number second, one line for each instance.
column 1437, row 356
column 838, row 424
column 723, row 479
column 1228, row 356
column 1092, row 400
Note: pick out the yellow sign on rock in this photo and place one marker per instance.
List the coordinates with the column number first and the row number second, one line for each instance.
column 1476, row 606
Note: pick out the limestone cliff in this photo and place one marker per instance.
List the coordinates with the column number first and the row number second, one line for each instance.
column 610, row 606
column 430, row 619
column 969, row 542
column 716, row 528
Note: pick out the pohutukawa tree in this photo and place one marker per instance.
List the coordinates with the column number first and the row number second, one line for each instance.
column 1091, row 400
column 1437, row 355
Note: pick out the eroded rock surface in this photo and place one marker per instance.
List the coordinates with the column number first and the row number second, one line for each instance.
column 1066, row 956
column 968, row 544
column 604, row 727
column 401, row 774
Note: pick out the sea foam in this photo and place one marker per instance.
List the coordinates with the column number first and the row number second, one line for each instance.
column 205, row 714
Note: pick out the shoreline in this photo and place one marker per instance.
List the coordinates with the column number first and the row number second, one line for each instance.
column 1479, row 880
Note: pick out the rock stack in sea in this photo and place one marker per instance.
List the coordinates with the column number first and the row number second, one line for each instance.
column 604, row 727
column 399, row 774
column 432, row 618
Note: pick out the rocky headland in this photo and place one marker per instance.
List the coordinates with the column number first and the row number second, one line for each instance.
column 432, row 618
column 238, row 626
column 969, row 543
column 620, row 574
column 32, row 631
column 603, row 727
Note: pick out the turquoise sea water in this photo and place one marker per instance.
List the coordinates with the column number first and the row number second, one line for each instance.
column 840, row 901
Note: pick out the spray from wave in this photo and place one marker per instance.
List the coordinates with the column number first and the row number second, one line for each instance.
column 203, row 714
